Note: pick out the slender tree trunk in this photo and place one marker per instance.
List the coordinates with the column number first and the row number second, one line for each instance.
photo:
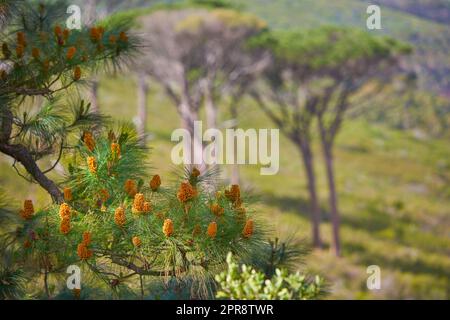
column 235, row 174
column 210, row 109
column 142, row 107
column 188, row 117
column 90, row 17
column 211, row 115
column 142, row 286
column 90, row 12
column 327, row 147
column 47, row 291
column 335, row 219
column 306, row 153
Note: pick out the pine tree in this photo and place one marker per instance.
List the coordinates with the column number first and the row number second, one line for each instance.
column 42, row 60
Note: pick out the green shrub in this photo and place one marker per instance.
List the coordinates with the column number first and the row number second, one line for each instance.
column 248, row 284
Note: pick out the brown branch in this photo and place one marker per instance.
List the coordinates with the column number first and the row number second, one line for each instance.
column 22, row 155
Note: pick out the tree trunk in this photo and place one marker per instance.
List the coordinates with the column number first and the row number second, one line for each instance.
column 142, row 107
column 210, row 109
column 335, row 219
column 188, row 117
column 235, row 174
column 306, row 153
column 90, row 11
column 327, row 147
column 90, row 18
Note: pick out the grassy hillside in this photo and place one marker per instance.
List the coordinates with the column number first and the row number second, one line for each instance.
column 394, row 196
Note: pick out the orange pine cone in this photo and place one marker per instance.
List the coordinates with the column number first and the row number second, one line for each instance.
column 19, row 50
column 83, row 252
column 45, row 65
column 89, row 141
column 119, row 216
column 186, row 192
column 136, row 241
column 28, row 209
column 130, row 187
column 234, row 194
column 155, row 182
column 68, row 194
column 92, row 164
column 248, row 229
column 123, row 37
column 66, row 34
column 217, row 210
column 104, row 195
column 112, row 39
column 65, row 226
column 23, row 215
column 70, row 53
column 87, row 237
column 21, row 39
column 195, row 172
column 58, row 31
column 26, row 244
column 60, row 41
column 64, row 211
column 240, row 211
column 147, row 207
column 212, row 230
column 168, row 227
column 138, row 203
column 77, row 73
column 115, row 150
column 101, row 30
column 95, row 34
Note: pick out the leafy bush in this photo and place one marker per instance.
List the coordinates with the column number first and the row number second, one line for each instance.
column 248, row 284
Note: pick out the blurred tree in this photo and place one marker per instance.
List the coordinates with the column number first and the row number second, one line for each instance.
column 282, row 86
column 354, row 66
column 197, row 55
column 90, row 14
column 335, row 69
column 142, row 91
column 42, row 59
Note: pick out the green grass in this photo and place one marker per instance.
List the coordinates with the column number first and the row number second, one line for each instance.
column 393, row 188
